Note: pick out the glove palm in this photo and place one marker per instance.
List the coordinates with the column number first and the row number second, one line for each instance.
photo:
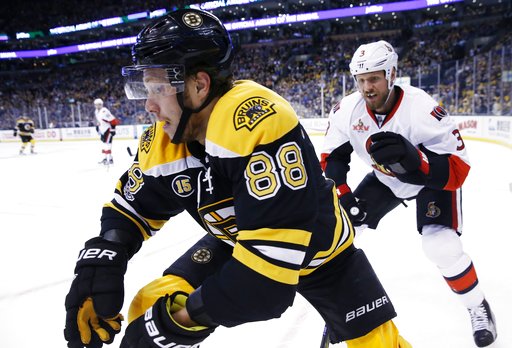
column 96, row 295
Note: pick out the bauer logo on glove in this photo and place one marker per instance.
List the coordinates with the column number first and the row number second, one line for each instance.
column 157, row 328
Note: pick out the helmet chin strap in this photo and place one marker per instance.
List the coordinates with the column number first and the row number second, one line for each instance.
column 391, row 86
column 389, row 93
column 185, row 115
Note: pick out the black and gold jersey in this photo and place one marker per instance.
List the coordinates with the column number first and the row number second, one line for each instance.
column 24, row 126
column 256, row 185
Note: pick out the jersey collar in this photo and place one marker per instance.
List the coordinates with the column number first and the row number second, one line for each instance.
column 391, row 113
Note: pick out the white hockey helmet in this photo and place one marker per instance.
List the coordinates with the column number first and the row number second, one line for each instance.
column 98, row 102
column 375, row 56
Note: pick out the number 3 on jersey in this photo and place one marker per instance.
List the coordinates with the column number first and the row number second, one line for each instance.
column 264, row 178
column 459, row 138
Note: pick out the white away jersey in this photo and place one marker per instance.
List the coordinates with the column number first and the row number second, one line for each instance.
column 104, row 118
column 416, row 116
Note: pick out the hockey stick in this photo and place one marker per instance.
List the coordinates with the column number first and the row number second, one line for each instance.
column 325, row 338
column 129, row 151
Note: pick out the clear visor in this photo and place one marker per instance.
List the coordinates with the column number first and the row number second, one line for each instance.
column 143, row 81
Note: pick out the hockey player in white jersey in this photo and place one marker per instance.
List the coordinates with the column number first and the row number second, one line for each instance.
column 106, row 126
column 416, row 152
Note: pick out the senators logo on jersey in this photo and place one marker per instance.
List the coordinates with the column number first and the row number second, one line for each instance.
column 433, row 211
column 252, row 111
column 360, row 127
column 439, row 113
column 375, row 165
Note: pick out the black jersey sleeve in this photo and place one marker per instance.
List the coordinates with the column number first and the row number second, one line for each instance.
column 145, row 196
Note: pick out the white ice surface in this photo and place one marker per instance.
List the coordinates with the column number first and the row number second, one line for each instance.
column 50, row 203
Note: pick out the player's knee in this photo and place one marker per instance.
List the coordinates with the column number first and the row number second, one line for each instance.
column 441, row 245
column 151, row 292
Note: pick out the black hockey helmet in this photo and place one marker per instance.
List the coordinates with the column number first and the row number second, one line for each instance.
column 178, row 42
column 187, row 37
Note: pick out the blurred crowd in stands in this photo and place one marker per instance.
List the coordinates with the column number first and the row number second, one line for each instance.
column 36, row 15
column 463, row 57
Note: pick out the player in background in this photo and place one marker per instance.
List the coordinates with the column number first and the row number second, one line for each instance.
column 235, row 157
column 25, row 128
column 106, row 127
column 416, row 152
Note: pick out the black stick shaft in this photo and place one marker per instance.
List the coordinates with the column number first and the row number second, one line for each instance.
column 325, row 338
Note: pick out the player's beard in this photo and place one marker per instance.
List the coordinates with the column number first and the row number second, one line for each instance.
column 378, row 102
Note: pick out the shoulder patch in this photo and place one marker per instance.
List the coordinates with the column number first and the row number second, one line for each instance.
column 181, row 185
column 439, row 113
column 147, row 139
column 252, row 111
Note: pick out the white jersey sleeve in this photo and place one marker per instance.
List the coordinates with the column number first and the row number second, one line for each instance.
column 338, row 145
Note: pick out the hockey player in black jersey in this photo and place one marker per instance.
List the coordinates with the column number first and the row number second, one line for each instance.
column 25, row 129
column 234, row 156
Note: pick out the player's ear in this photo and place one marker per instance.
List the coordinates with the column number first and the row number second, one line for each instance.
column 202, row 84
column 393, row 76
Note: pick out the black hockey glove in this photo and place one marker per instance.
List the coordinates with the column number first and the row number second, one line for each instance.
column 398, row 155
column 15, row 133
column 356, row 209
column 96, row 295
column 156, row 328
column 395, row 152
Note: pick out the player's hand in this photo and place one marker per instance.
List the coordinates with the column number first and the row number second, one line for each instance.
column 157, row 328
column 96, row 296
column 356, row 209
column 389, row 149
column 15, row 133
